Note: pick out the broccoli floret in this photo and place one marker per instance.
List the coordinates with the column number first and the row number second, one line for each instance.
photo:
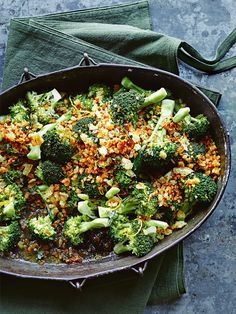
column 42, row 228
column 196, row 127
column 73, row 200
column 126, row 106
column 75, row 226
column 55, row 149
column 85, row 102
column 140, row 202
column 14, row 176
column 122, row 228
column 100, row 91
column 123, row 179
column 19, row 112
column 139, row 245
column 82, row 126
column 12, row 202
column 49, row 172
column 194, row 151
column 143, row 196
column 159, row 155
column 37, row 137
column 159, row 150
column 135, row 235
column 43, row 106
column 88, row 187
column 127, row 205
column 199, row 188
column 9, row 236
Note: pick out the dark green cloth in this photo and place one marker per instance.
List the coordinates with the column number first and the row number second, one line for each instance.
column 56, row 41
column 120, row 293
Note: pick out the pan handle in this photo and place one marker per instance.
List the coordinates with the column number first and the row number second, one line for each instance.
column 138, row 269
column 86, row 60
column 78, row 284
column 26, row 76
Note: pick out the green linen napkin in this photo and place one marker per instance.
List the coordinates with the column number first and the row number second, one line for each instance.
column 57, row 41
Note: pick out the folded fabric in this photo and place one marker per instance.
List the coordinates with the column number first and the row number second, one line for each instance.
column 56, row 41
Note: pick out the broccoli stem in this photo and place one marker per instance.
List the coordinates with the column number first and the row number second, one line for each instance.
column 9, row 209
column 94, row 224
column 35, row 152
column 112, row 192
column 181, row 114
column 157, row 223
column 128, row 84
column 167, row 109
column 85, row 209
column 154, row 97
column 105, row 212
column 120, row 248
column 151, row 99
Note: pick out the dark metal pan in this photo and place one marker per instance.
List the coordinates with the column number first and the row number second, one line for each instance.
column 79, row 78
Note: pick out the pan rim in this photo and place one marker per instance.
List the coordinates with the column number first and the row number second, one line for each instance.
column 153, row 253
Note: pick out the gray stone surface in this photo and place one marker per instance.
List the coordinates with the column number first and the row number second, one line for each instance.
column 210, row 253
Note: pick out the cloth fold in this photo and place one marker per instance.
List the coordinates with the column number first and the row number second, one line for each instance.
column 56, row 41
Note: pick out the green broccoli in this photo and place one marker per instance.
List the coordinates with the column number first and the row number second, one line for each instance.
column 160, row 154
column 128, row 84
column 101, row 91
column 73, row 200
column 194, row 151
column 19, row 112
column 49, row 172
column 87, row 208
column 12, row 201
column 43, row 106
column 37, row 137
column 159, row 150
column 55, row 149
column 123, row 180
column 139, row 245
column 85, row 102
column 199, row 188
column 122, row 228
column 42, row 228
column 75, row 226
column 142, row 194
column 88, row 186
column 140, row 201
column 9, row 236
column 126, row 106
column 14, row 176
column 82, row 126
column 196, row 127
column 135, row 236
column 181, row 113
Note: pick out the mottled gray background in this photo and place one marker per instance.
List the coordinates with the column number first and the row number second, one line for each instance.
column 210, row 253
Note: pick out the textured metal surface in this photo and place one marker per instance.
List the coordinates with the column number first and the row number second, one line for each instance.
column 210, row 252
column 149, row 79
